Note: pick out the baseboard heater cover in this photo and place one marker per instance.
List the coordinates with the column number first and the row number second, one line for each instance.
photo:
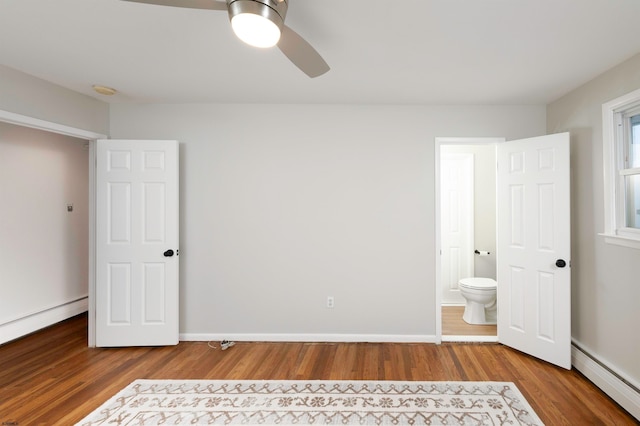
column 35, row 321
column 620, row 389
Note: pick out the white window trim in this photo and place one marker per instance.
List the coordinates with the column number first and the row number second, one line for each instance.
column 624, row 236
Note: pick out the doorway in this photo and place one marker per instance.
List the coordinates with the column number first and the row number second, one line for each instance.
column 465, row 223
column 533, row 243
column 66, row 306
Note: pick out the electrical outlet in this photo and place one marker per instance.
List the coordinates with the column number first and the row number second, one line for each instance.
column 330, row 302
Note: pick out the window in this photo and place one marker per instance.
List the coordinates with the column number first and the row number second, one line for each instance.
column 621, row 141
column 630, row 171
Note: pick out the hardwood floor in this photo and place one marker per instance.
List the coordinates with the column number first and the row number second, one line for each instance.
column 51, row 377
column 454, row 325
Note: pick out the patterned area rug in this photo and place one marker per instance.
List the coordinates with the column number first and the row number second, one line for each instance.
column 202, row 402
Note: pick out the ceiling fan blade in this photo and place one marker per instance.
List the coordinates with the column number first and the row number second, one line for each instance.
column 190, row 4
column 301, row 53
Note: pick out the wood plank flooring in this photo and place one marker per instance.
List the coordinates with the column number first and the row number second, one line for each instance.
column 52, row 378
column 454, row 325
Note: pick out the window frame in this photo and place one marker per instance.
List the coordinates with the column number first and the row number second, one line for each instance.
column 614, row 152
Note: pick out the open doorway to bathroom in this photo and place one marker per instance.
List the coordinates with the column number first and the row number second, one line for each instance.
column 466, row 228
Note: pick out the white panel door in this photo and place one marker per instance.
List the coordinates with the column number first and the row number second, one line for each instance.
column 136, row 243
column 534, row 247
column 456, row 213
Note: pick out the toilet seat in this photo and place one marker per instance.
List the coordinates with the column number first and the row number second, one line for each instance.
column 478, row 283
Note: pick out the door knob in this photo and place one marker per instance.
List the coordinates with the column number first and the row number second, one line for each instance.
column 168, row 253
column 560, row 263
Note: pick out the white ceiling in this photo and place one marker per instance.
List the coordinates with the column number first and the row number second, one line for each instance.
column 380, row 52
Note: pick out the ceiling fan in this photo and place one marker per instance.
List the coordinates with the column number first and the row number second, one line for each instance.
column 260, row 23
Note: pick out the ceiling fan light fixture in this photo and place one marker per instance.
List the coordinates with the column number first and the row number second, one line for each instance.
column 258, row 22
column 255, row 30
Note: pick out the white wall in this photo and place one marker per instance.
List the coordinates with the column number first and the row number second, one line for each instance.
column 284, row 205
column 605, row 278
column 43, row 248
column 27, row 95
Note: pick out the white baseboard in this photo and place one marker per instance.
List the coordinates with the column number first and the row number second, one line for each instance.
column 36, row 321
column 371, row 338
column 470, row 339
column 613, row 384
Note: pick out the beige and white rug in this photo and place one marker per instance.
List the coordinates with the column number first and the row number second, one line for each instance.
column 202, row 402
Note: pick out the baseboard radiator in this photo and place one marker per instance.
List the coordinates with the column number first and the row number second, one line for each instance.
column 38, row 320
column 622, row 390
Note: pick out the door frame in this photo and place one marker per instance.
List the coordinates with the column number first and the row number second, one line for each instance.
column 91, row 137
column 439, row 141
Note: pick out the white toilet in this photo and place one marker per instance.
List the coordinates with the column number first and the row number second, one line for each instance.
column 480, row 294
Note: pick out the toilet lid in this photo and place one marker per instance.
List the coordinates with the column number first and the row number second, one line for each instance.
column 480, row 283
